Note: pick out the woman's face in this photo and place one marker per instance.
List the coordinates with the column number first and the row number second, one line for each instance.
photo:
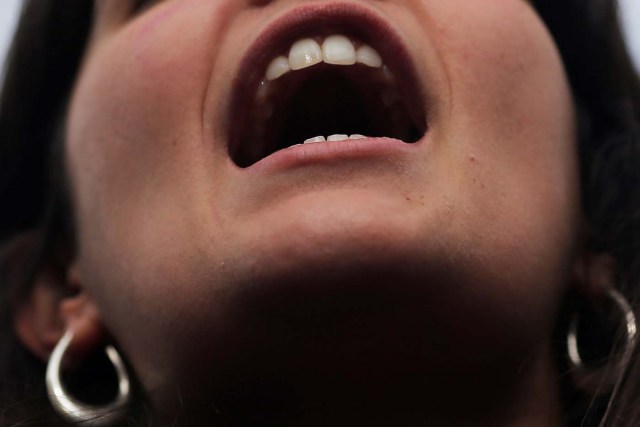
column 210, row 275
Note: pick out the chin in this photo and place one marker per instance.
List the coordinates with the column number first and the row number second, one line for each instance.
column 350, row 237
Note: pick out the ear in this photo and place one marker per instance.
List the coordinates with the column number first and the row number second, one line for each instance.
column 594, row 274
column 58, row 302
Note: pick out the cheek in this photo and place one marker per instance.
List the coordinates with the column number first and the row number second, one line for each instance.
column 509, row 140
column 520, row 151
column 139, row 85
column 506, row 77
column 135, row 137
column 135, row 127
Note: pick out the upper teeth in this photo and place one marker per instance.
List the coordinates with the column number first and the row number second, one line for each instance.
column 336, row 49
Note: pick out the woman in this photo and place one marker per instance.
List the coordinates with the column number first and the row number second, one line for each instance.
column 444, row 265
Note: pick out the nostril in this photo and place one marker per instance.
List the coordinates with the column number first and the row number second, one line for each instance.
column 259, row 3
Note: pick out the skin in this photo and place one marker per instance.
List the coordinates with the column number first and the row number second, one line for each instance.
column 379, row 291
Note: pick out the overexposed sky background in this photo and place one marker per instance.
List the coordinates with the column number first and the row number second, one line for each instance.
column 630, row 16
column 9, row 10
column 631, row 19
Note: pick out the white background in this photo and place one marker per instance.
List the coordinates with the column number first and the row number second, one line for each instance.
column 630, row 17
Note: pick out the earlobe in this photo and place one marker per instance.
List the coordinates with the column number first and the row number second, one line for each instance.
column 81, row 317
column 49, row 311
column 36, row 320
column 595, row 274
column 604, row 313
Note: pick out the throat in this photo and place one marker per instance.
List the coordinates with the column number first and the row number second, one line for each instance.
column 325, row 105
column 322, row 101
column 346, row 375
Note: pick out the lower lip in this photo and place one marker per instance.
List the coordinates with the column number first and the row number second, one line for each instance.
column 334, row 151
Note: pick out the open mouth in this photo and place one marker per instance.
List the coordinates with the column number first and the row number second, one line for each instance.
column 332, row 79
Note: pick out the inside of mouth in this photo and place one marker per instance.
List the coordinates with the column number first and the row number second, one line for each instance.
column 321, row 101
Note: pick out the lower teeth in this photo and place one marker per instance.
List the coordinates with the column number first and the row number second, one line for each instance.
column 332, row 138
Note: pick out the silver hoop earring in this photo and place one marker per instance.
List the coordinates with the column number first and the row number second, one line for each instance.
column 70, row 408
column 602, row 380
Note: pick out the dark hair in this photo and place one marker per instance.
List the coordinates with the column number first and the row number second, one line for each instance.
column 43, row 65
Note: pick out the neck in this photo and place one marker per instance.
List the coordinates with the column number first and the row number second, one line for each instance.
column 522, row 395
column 530, row 400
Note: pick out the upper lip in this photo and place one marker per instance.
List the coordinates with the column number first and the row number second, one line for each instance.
column 303, row 20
